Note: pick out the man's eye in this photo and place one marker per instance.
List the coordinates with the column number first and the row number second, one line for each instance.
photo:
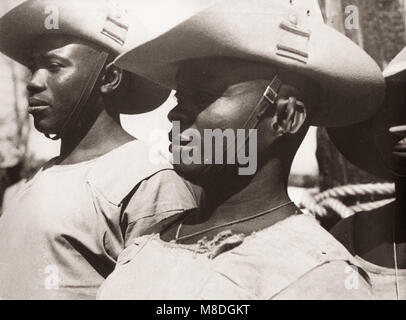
column 54, row 66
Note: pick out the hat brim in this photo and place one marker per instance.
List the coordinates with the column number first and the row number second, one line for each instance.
column 352, row 86
column 396, row 69
column 396, row 72
column 21, row 27
column 362, row 150
column 356, row 143
column 143, row 96
column 359, row 143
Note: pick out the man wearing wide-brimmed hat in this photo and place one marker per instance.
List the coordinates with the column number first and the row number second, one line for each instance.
column 378, row 237
column 271, row 68
column 60, row 237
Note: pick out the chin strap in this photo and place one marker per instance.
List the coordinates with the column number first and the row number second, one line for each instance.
column 268, row 99
column 87, row 90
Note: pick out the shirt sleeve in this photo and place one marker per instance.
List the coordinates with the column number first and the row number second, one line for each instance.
column 336, row 280
column 156, row 202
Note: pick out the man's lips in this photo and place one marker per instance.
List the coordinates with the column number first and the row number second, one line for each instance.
column 36, row 109
column 179, row 148
column 36, row 105
column 181, row 139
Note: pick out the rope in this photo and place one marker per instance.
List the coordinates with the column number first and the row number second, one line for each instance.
column 321, row 204
column 357, row 190
column 308, row 202
column 371, row 205
column 339, row 207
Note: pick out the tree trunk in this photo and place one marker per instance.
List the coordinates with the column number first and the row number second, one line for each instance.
column 334, row 13
column 402, row 5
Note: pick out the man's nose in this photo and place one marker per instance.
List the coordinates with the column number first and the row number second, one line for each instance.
column 181, row 114
column 36, row 83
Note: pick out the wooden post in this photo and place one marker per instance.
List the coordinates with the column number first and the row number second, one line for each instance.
column 358, row 36
column 334, row 12
column 402, row 5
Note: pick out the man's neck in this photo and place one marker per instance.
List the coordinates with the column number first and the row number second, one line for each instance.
column 104, row 135
column 267, row 187
column 226, row 203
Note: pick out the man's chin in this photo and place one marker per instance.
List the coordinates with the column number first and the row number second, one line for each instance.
column 204, row 174
column 44, row 128
column 192, row 172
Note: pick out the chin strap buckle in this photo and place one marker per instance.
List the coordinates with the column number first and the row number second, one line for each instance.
column 272, row 91
column 54, row 137
column 116, row 25
column 270, row 95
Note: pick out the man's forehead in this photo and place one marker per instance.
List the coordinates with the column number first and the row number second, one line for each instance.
column 61, row 44
column 223, row 70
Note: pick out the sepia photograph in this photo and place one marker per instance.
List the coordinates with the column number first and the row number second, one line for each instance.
column 182, row 151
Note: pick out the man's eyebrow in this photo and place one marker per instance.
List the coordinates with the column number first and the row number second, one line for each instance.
column 196, row 89
column 48, row 56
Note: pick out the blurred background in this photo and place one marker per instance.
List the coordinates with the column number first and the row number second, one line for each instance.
column 318, row 166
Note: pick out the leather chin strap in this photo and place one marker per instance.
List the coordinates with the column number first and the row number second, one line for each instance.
column 268, row 99
column 84, row 96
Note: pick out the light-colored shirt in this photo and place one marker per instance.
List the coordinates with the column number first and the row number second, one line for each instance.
column 293, row 259
column 383, row 280
column 62, row 234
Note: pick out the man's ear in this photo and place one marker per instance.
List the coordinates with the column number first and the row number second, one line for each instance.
column 112, row 78
column 289, row 117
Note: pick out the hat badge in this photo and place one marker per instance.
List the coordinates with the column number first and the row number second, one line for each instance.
column 294, row 40
column 116, row 24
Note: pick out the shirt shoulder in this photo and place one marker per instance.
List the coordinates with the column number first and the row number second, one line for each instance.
column 159, row 200
column 286, row 252
column 116, row 174
column 164, row 191
column 303, row 234
column 335, row 280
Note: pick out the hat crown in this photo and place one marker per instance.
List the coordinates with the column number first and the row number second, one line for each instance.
column 103, row 22
column 288, row 34
column 143, row 13
column 299, row 12
column 117, row 22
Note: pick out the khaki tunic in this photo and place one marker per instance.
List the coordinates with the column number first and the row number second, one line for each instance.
column 62, row 234
column 293, row 259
